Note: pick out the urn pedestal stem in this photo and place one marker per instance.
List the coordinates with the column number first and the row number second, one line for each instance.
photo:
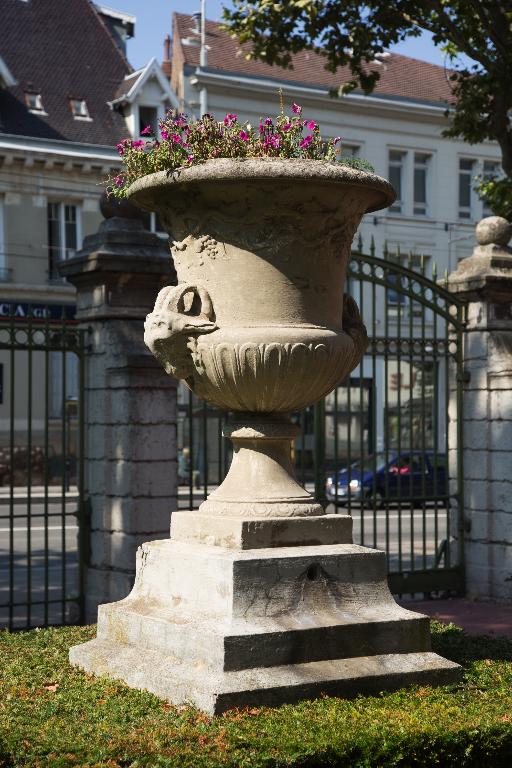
column 261, row 480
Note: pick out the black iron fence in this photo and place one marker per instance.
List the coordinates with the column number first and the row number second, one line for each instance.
column 41, row 470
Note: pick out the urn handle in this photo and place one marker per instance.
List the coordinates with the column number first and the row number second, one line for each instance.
column 356, row 329
column 181, row 312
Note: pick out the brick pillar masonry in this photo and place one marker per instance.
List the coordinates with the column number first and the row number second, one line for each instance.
column 484, row 280
column 130, row 403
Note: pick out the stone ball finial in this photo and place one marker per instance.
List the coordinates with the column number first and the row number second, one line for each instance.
column 113, row 206
column 493, row 230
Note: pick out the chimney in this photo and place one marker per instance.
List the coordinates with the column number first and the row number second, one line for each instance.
column 166, row 64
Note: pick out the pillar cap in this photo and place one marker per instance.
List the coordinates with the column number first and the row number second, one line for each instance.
column 486, row 275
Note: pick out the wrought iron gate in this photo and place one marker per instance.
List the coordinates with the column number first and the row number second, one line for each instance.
column 41, row 469
column 378, row 446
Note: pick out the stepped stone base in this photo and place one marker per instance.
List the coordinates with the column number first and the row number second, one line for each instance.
column 223, row 626
column 215, row 693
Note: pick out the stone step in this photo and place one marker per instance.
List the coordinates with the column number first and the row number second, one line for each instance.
column 215, row 693
column 242, row 644
column 240, row 533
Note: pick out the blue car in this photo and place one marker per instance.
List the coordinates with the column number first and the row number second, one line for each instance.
column 408, row 476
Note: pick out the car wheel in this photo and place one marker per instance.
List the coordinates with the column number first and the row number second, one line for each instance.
column 374, row 500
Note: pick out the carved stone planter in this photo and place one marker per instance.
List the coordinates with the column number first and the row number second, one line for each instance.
column 259, row 597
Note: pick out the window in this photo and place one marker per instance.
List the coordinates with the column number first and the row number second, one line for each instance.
column 153, row 223
column 34, row 101
column 396, row 173
column 350, row 150
column 490, row 170
column 63, row 235
column 148, row 116
column 466, row 173
column 421, row 165
column 79, row 109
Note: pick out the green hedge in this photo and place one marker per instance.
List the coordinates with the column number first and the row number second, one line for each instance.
column 54, row 715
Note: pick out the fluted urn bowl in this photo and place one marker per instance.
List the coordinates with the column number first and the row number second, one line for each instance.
column 257, row 322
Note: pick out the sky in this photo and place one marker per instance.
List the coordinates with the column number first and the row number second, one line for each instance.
column 154, row 23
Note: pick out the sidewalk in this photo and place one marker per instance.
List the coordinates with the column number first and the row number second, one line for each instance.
column 477, row 618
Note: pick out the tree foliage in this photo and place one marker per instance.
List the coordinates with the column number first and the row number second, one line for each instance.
column 476, row 36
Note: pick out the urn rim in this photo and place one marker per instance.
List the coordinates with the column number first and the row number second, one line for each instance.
column 142, row 191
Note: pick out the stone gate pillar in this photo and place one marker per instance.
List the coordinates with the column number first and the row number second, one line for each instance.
column 484, row 280
column 130, row 403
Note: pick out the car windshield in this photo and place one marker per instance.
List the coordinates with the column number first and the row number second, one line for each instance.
column 370, row 463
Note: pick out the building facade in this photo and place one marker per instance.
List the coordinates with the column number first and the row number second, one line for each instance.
column 67, row 95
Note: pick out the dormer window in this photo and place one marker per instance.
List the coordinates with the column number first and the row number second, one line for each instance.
column 79, row 109
column 148, row 116
column 34, row 101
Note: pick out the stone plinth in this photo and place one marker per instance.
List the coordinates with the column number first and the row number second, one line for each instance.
column 214, row 623
column 130, row 404
column 484, row 280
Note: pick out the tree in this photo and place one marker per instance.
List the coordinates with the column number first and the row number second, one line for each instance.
column 476, row 36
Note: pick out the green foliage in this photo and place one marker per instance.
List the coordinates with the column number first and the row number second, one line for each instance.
column 356, row 34
column 55, row 716
column 497, row 193
column 183, row 142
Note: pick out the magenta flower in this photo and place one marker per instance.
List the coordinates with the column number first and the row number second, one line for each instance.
column 175, row 138
column 230, row 120
column 119, row 181
column 305, row 141
column 261, row 128
column 311, row 124
column 147, row 131
column 335, row 140
column 165, row 135
column 287, row 126
column 138, row 144
column 120, row 148
column 268, row 121
column 190, row 158
column 244, row 136
column 296, row 109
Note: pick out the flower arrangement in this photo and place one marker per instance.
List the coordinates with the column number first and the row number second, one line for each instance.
column 183, row 142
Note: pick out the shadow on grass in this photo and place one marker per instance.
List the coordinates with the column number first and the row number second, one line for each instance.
column 454, row 644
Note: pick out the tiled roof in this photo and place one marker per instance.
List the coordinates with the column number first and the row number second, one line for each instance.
column 401, row 76
column 61, row 49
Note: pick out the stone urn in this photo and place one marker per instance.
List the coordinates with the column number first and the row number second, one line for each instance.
column 259, row 597
column 258, row 324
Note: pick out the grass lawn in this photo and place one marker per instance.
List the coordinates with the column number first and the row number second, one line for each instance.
column 54, row 715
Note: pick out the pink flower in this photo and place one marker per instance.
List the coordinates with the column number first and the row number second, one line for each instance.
column 261, row 128
column 305, row 141
column 175, row 138
column 147, row 131
column 122, row 146
column 296, row 109
column 244, row 136
column 164, row 134
column 138, row 144
column 287, row 126
column 119, row 181
column 190, row 158
column 230, row 120
column 268, row 121
column 272, row 141
column 335, row 140
column 311, row 125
